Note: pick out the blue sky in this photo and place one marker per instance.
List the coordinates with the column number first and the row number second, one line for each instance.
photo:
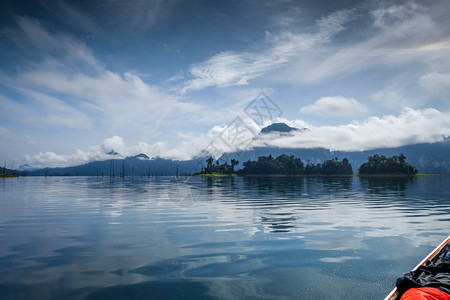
column 167, row 78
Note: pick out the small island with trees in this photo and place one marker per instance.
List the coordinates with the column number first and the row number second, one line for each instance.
column 217, row 169
column 289, row 165
column 283, row 165
column 380, row 165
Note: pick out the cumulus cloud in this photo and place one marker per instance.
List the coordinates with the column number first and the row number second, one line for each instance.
column 116, row 147
column 217, row 141
column 232, row 68
column 113, row 147
column 409, row 127
column 334, row 106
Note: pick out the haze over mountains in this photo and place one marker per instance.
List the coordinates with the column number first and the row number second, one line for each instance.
column 431, row 158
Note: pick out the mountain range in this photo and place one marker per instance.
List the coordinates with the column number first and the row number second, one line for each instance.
column 429, row 158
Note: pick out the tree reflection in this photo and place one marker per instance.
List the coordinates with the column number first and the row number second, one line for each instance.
column 387, row 185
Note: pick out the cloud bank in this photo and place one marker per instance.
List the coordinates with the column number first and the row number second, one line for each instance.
column 409, row 127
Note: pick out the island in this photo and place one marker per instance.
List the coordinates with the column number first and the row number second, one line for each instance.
column 217, row 169
column 283, row 165
column 289, row 165
column 380, row 165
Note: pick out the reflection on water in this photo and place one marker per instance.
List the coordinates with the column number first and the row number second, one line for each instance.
column 215, row 238
column 388, row 186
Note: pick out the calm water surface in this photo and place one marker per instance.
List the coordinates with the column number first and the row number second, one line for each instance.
column 226, row 238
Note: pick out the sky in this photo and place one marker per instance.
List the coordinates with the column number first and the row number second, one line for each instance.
column 81, row 80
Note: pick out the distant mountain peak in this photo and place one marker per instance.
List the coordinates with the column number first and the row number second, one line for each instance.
column 26, row 167
column 112, row 152
column 280, row 128
column 142, row 156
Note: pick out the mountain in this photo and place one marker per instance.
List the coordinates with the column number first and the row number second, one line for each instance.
column 141, row 156
column 430, row 158
column 26, row 167
column 278, row 128
column 138, row 165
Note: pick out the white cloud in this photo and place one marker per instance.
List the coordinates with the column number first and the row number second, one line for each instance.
column 232, row 68
column 410, row 127
column 334, row 106
column 71, row 88
column 189, row 146
column 395, row 36
column 399, row 22
column 55, row 111
column 116, row 147
column 436, row 83
column 121, row 100
column 108, row 99
column 33, row 34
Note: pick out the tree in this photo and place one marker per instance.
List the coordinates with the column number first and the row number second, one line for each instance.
column 233, row 163
column 224, row 168
column 209, row 162
column 293, row 166
column 395, row 165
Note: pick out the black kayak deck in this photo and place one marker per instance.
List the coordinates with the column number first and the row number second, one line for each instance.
column 433, row 254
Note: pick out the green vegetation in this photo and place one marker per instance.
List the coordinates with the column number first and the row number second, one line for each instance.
column 330, row 168
column 293, row 166
column 430, row 175
column 217, row 169
column 381, row 165
column 283, row 165
column 6, row 176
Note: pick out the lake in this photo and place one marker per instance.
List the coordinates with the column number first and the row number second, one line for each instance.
column 215, row 238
